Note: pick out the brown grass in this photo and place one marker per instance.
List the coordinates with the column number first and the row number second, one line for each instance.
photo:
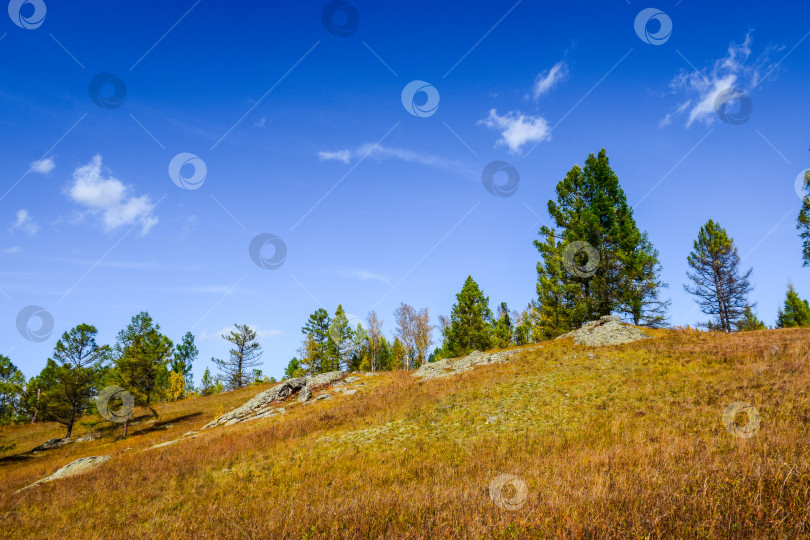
column 628, row 443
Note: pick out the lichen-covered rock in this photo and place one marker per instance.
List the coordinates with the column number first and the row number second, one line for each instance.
column 453, row 366
column 260, row 401
column 305, row 394
column 72, row 469
column 52, row 443
column 608, row 330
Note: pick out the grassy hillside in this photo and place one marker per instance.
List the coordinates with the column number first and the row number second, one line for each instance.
column 613, row 442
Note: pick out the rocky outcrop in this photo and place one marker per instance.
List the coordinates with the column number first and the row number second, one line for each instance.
column 72, row 469
column 608, row 330
column 259, row 405
column 453, row 366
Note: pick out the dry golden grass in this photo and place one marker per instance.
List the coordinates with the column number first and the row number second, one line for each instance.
column 627, row 443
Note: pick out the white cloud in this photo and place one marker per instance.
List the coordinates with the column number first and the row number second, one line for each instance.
column 43, row 166
column 25, row 223
column 702, row 87
column 204, row 336
column 110, row 198
column 12, row 250
column 261, row 122
column 517, row 128
column 550, row 78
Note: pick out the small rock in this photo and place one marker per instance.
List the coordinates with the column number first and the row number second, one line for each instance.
column 52, row 443
column 350, row 392
column 492, row 419
column 351, row 379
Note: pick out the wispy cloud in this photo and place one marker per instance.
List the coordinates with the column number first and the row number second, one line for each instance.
column 25, row 223
column 110, row 198
column 341, row 155
column 12, row 250
column 517, row 128
column 43, row 166
column 364, row 275
column 125, row 265
column 550, row 78
column 735, row 70
column 380, row 153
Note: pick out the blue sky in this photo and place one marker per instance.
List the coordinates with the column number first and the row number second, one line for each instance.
column 302, row 134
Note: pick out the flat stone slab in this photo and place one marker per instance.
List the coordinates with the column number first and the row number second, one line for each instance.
column 73, row 468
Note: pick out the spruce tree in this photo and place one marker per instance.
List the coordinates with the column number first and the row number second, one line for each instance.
column 795, row 313
column 721, row 288
column 470, row 321
column 184, row 356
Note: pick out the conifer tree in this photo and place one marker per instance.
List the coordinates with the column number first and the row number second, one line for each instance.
column 503, row 330
column 184, row 356
column 749, row 321
column 207, row 383
column 314, row 349
column 470, row 321
column 339, row 344
column 11, row 383
column 591, row 210
column 803, row 221
column 795, row 313
column 719, row 285
column 141, row 355
column 243, row 356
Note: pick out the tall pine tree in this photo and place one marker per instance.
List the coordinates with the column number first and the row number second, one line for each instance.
column 243, row 356
column 591, row 207
column 71, row 376
column 719, row 285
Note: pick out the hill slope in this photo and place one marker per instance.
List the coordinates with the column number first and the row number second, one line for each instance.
column 623, row 441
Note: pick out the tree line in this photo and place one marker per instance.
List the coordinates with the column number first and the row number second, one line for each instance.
column 143, row 361
column 594, row 261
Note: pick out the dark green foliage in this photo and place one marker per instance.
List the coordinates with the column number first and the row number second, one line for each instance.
column 503, row 329
column 803, row 221
column 293, row 369
column 749, row 321
column 591, row 207
column 339, row 343
column 721, row 289
column 184, row 356
column 795, row 313
column 470, row 322
column 314, row 351
column 71, row 378
column 11, row 383
column 141, row 356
